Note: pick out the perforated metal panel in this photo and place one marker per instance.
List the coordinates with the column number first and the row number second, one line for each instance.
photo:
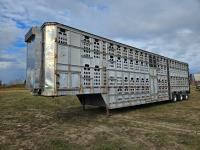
column 79, row 63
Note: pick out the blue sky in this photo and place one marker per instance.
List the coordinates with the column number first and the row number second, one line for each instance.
column 170, row 28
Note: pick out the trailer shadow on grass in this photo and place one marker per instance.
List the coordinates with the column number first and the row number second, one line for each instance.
column 138, row 107
column 76, row 114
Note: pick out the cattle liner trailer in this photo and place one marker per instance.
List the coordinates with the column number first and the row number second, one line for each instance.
column 62, row 60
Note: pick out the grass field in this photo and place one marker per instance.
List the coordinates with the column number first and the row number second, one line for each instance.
column 34, row 122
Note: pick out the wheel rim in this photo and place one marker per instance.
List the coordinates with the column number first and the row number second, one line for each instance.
column 181, row 97
column 186, row 97
column 175, row 98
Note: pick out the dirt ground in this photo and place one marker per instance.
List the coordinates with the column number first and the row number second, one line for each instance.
column 35, row 122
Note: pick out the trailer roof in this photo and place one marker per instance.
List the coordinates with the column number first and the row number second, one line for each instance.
column 106, row 39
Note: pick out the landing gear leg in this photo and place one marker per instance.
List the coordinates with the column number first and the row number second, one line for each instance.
column 108, row 112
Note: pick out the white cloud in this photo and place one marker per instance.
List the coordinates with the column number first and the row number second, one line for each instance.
column 170, row 28
column 9, row 61
column 8, row 34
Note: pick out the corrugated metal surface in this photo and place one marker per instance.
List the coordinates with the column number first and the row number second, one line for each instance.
column 50, row 46
column 76, row 62
column 34, row 59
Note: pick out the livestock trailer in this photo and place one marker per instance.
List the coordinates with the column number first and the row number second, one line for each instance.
column 63, row 60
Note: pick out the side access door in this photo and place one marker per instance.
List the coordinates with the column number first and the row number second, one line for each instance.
column 153, row 83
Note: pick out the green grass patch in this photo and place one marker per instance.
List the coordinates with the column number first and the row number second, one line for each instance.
column 36, row 122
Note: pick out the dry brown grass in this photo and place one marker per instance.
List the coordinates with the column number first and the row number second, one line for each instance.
column 34, row 122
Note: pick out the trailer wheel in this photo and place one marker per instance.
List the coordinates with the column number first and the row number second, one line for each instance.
column 180, row 97
column 186, row 97
column 174, row 99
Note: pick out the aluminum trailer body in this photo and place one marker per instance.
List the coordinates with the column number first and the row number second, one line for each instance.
column 62, row 60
